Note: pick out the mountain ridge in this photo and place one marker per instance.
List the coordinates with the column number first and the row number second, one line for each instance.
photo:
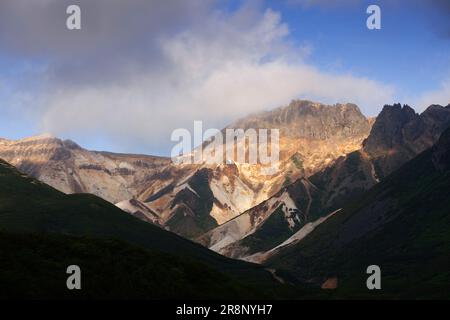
column 346, row 178
column 312, row 136
column 401, row 224
column 237, row 187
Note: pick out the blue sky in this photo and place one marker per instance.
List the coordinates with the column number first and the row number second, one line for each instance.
column 138, row 70
column 411, row 46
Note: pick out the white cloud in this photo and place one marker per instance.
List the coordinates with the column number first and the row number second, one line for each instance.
column 227, row 67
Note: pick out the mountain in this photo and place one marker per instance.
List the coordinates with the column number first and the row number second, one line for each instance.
column 401, row 224
column 389, row 145
column 399, row 134
column 319, row 221
column 29, row 206
column 205, row 196
column 191, row 199
column 71, row 169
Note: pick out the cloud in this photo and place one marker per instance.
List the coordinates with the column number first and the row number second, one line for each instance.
column 116, row 36
column 133, row 84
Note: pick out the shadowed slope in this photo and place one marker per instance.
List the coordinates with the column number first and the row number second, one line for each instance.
column 402, row 224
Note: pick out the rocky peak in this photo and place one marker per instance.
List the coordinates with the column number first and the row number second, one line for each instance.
column 312, row 120
column 399, row 134
column 399, row 126
column 69, row 144
column 437, row 113
column 387, row 131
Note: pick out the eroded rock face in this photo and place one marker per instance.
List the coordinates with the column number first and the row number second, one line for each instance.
column 265, row 225
column 312, row 136
column 71, row 169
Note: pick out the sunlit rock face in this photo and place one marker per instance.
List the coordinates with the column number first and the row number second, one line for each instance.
column 398, row 135
column 312, row 136
column 71, row 169
column 191, row 199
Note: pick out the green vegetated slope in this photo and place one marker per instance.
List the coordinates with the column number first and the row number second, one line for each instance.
column 28, row 206
column 34, row 267
column 402, row 225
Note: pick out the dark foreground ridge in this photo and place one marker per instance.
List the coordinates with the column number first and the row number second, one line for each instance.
column 43, row 231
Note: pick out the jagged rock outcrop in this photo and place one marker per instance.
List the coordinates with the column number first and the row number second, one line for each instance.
column 399, row 134
column 310, row 120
